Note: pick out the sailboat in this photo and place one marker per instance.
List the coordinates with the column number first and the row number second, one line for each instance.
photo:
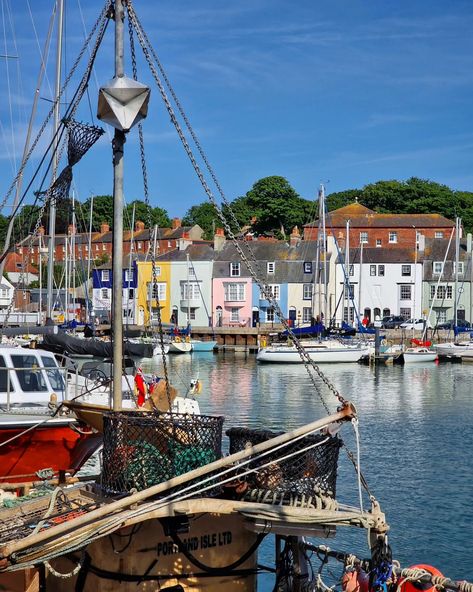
column 169, row 511
column 319, row 350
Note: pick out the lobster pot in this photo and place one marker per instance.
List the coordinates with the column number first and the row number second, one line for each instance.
column 141, row 450
column 309, row 469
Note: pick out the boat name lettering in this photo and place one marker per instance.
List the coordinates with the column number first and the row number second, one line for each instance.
column 205, row 541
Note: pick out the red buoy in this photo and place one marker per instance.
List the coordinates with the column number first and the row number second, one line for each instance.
column 408, row 586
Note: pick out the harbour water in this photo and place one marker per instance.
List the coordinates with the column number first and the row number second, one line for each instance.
column 415, row 424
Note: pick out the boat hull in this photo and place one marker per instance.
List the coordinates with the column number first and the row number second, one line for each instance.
column 455, row 350
column 203, row 346
column 180, row 347
column 289, row 355
column 153, row 560
column 60, row 445
column 415, row 357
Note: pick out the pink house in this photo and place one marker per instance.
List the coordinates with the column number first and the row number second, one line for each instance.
column 231, row 290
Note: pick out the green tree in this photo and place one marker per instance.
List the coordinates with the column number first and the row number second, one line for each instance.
column 102, row 211
column 340, row 199
column 205, row 215
column 158, row 215
column 277, row 206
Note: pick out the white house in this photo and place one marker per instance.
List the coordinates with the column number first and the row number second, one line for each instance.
column 381, row 282
column 6, row 293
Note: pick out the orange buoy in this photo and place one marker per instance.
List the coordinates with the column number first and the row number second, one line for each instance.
column 409, row 586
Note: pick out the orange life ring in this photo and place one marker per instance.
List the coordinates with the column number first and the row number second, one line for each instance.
column 408, row 586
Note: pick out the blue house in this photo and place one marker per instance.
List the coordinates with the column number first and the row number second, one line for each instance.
column 102, row 291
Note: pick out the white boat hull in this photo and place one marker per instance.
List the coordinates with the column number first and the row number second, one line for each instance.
column 455, row 350
column 180, row 347
column 413, row 357
column 318, row 354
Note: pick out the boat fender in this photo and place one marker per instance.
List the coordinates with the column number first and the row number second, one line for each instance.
column 262, row 342
column 198, row 387
column 177, row 339
column 383, row 342
column 355, row 580
column 407, row 585
column 188, row 339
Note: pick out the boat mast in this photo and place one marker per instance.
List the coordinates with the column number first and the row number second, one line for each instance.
column 347, row 271
column 52, row 204
column 188, row 293
column 117, row 257
column 324, row 251
column 457, row 258
column 89, row 252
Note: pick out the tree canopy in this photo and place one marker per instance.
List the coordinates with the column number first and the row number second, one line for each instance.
column 272, row 202
column 414, row 196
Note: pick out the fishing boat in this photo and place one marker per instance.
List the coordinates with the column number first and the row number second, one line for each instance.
column 35, row 432
column 169, row 511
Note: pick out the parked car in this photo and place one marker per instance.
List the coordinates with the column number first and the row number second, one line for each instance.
column 416, row 324
column 462, row 324
column 392, row 322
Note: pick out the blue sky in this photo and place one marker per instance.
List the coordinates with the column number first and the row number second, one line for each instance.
column 347, row 92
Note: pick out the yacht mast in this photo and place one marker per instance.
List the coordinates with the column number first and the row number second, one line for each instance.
column 324, row 251
column 457, row 259
column 52, row 205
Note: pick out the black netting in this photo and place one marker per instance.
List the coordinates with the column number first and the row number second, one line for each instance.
column 141, row 450
column 305, row 474
column 59, row 190
column 81, row 138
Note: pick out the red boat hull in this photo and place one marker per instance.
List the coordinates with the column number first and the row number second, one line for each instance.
column 57, row 446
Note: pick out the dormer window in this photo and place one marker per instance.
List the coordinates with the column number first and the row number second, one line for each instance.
column 460, row 267
column 270, row 267
column 307, row 266
column 437, row 267
column 235, row 269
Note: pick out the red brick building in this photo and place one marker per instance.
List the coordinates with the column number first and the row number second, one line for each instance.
column 381, row 230
column 101, row 242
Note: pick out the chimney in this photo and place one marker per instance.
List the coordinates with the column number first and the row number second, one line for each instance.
column 295, row 237
column 104, row 227
column 139, row 225
column 420, row 242
column 219, row 239
column 176, row 223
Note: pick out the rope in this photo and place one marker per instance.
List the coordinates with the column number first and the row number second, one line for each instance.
column 354, row 423
column 69, row 574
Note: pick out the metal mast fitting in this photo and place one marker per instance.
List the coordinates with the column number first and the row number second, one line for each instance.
column 122, row 104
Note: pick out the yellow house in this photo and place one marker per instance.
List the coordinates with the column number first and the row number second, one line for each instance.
column 146, row 300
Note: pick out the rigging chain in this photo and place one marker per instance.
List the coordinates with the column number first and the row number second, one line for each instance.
column 154, row 289
column 308, row 362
